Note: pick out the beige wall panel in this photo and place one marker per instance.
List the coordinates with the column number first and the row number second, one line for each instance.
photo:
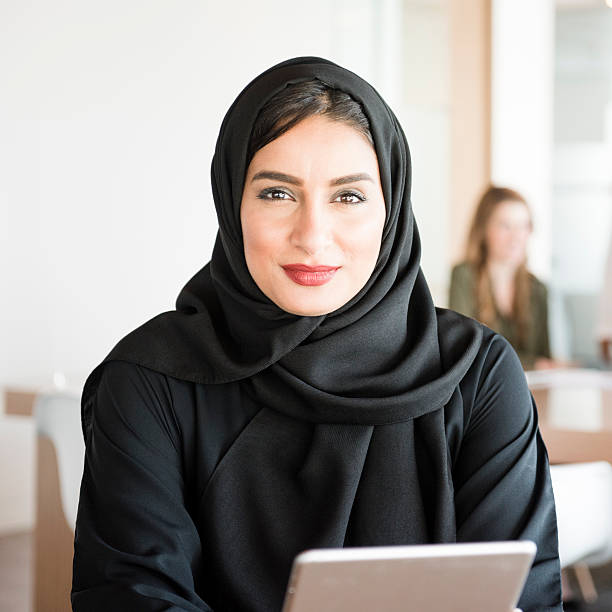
column 470, row 113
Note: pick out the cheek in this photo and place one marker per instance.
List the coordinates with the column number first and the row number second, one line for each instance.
column 495, row 236
column 517, row 237
column 363, row 239
column 524, row 236
column 262, row 239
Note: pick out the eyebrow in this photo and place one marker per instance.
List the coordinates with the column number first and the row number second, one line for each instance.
column 352, row 178
column 292, row 180
column 277, row 176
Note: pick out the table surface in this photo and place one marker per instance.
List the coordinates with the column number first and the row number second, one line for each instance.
column 575, row 413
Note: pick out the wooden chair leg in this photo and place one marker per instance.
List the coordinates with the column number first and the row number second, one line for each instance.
column 566, row 585
column 53, row 537
column 585, row 582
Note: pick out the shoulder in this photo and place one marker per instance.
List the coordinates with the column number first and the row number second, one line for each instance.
column 495, row 377
column 128, row 400
column 132, row 387
column 494, row 389
column 147, row 414
column 493, row 348
column 497, row 363
column 463, row 271
column 124, row 401
column 538, row 288
column 127, row 379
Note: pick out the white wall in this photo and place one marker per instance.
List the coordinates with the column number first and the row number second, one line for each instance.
column 522, row 69
column 583, row 148
column 582, row 208
column 425, row 116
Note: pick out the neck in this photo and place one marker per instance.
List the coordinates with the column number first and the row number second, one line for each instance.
column 502, row 270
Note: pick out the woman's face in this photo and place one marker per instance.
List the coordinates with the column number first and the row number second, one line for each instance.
column 507, row 233
column 312, row 216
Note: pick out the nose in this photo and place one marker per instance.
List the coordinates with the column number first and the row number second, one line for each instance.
column 313, row 227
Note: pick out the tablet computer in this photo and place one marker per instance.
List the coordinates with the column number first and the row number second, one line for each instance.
column 479, row 577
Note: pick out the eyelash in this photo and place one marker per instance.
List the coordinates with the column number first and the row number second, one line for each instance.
column 266, row 194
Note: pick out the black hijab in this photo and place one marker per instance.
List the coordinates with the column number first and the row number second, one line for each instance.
column 349, row 446
column 375, row 360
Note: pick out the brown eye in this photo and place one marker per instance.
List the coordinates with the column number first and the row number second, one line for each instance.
column 272, row 193
column 350, row 197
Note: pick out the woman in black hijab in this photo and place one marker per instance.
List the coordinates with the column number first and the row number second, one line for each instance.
column 284, row 406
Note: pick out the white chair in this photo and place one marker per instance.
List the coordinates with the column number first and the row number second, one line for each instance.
column 60, row 455
column 583, row 497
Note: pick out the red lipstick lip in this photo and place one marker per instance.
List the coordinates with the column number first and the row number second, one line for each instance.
column 310, row 276
column 304, row 268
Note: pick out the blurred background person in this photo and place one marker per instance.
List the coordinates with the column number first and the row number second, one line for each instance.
column 494, row 285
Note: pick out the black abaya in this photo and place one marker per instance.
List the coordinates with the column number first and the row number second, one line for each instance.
column 228, row 435
column 171, row 515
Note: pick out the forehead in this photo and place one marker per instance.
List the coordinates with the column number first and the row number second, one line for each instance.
column 511, row 210
column 318, row 144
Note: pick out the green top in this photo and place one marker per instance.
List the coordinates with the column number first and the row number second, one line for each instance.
column 463, row 299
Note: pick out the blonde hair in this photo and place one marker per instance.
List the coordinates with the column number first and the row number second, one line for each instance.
column 477, row 254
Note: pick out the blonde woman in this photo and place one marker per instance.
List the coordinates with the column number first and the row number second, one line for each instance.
column 494, row 285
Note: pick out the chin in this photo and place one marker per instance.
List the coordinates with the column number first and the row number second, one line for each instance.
column 305, row 308
column 302, row 311
column 518, row 260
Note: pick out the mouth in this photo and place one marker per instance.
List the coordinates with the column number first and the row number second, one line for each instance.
column 310, row 276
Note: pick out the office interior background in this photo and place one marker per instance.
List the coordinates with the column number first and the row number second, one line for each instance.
column 109, row 113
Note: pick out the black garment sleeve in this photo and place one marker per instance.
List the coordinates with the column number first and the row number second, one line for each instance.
column 136, row 545
column 502, row 482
